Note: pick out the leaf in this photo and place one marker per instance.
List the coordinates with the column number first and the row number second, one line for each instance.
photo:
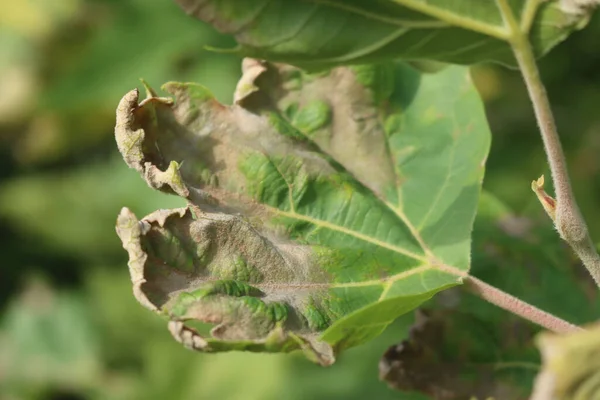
column 571, row 366
column 47, row 341
column 127, row 27
column 49, row 206
column 316, row 216
column 316, row 34
column 448, row 357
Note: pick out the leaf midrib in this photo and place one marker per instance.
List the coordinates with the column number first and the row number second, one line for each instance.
column 328, row 225
column 373, row 282
column 455, row 19
column 448, row 17
column 392, row 21
column 386, row 282
column 430, row 262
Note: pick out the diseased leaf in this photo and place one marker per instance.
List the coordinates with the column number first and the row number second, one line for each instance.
column 571, row 366
column 321, row 207
column 450, row 356
column 315, row 34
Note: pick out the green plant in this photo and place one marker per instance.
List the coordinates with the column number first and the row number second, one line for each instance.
column 329, row 200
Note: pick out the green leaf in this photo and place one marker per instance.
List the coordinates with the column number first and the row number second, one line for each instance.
column 571, row 366
column 321, row 207
column 49, row 206
column 316, row 34
column 47, row 340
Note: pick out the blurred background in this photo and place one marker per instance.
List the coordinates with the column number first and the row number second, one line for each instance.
column 69, row 326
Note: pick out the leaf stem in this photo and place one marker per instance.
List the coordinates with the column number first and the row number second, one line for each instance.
column 568, row 220
column 518, row 307
column 511, row 303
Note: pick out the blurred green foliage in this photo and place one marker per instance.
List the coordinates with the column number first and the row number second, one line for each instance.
column 69, row 326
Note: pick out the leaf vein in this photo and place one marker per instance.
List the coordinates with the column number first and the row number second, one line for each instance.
column 346, row 231
column 456, row 19
column 378, row 17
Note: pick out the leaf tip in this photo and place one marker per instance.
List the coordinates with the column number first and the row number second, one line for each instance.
column 125, row 219
column 251, row 70
column 150, row 92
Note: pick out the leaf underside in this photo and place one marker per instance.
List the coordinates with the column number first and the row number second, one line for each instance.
column 316, row 34
column 450, row 355
column 320, row 206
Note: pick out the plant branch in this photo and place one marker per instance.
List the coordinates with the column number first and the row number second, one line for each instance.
column 567, row 218
column 518, row 307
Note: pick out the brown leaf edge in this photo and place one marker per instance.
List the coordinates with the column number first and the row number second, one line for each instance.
column 130, row 139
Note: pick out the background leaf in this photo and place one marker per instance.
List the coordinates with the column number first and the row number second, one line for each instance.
column 47, row 339
column 447, row 356
column 316, row 34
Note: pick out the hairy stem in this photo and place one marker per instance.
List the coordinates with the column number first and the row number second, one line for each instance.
column 518, row 307
column 511, row 303
column 568, row 219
